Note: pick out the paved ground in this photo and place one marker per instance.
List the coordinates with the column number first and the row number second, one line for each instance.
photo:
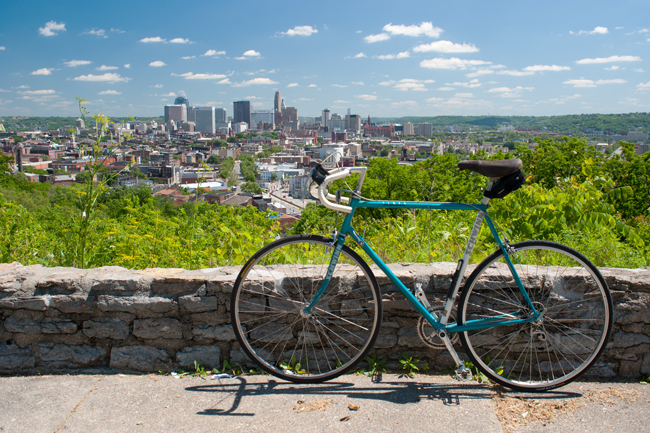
column 153, row 403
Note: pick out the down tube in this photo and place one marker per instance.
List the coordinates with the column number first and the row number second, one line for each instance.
column 402, row 288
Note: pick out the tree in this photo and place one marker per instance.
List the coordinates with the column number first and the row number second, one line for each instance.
column 18, row 138
column 213, row 159
column 274, row 176
column 233, row 179
column 251, row 187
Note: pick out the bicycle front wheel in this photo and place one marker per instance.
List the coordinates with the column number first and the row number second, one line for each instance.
column 268, row 309
column 569, row 336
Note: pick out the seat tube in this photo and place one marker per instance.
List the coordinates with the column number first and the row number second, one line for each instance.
column 452, row 293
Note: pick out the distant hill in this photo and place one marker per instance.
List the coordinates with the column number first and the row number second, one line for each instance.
column 23, row 123
column 617, row 123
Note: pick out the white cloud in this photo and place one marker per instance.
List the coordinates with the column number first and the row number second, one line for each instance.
column 360, row 56
column 371, row 39
column 152, row 40
column 24, row 86
column 2, row 48
column 613, row 68
column 100, row 33
column 38, row 92
column 107, row 68
column 516, row 73
column 192, row 76
column 292, row 85
column 312, row 85
column 478, row 73
column 109, row 92
column 157, row 86
column 251, row 53
column 127, row 66
column 339, row 85
column 597, row 31
column 211, row 53
column 75, row 63
column 424, row 29
column 404, row 104
column 51, row 28
column 366, row 97
column 224, row 81
column 255, row 82
column 464, row 95
column 300, row 31
column 471, row 84
column 445, row 88
column 108, row 77
column 157, row 64
column 445, row 47
column 188, row 57
column 42, row 71
column 643, row 86
column 591, row 83
column 180, row 41
column 358, row 83
column 581, row 83
column 408, row 84
column 544, row 68
column 117, row 30
column 507, row 92
column 452, row 63
column 305, row 99
column 639, row 70
column 610, row 59
column 402, row 55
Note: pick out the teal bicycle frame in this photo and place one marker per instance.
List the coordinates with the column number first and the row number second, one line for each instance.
column 439, row 324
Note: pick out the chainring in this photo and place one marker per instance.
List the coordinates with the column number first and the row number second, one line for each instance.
column 429, row 337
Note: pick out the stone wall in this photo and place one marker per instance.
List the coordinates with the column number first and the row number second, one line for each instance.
column 63, row 319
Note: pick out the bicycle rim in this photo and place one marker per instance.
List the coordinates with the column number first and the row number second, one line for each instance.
column 268, row 302
column 571, row 333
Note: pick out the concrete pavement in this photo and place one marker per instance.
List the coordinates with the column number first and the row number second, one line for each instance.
column 156, row 403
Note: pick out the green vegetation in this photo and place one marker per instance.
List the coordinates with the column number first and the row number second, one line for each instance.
column 410, row 365
column 376, row 365
column 593, row 203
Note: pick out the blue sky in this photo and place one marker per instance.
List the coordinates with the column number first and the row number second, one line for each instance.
column 408, row 58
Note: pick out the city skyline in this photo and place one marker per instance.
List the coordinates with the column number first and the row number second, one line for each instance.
column 380, row 59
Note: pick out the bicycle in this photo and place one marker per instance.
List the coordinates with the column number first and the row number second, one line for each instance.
column 532, row 316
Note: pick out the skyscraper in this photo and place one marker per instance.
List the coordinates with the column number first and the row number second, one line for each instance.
column 181, row 98
column 241, row 112
column 220, row 115
column 326, row 117
column 176, row 113
column 205, row 120
column 277, row 107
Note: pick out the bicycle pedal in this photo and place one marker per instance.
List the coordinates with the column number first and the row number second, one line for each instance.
column 463, row 374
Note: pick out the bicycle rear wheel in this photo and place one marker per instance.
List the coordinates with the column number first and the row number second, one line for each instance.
column 572, row 332
column 268, row 301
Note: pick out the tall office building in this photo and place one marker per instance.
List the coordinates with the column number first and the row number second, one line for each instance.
column 277, row 106
column 261, row 116
column 176, row 113
column 291, row 113
column 181, row 98
column 325, row 118
column 425, row 129
column 408, row 128
column 241, row 112
column 353, row 121
column 205, row 120
column 220, row 115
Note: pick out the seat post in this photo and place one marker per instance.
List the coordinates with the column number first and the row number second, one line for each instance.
column 488, row 188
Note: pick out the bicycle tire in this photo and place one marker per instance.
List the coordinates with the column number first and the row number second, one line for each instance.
column 269, row 321
column 569, row 337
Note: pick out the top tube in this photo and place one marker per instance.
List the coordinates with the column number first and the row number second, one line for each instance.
column 418, row 205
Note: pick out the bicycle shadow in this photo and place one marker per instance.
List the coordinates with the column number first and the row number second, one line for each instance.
column 401, row 392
